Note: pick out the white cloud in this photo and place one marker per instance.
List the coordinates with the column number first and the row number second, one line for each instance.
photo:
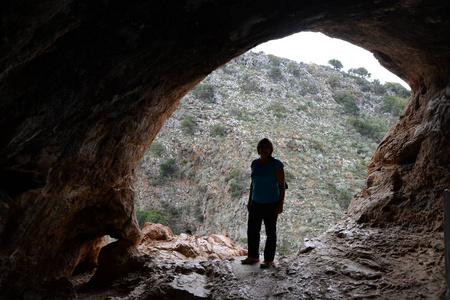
column 312, row 47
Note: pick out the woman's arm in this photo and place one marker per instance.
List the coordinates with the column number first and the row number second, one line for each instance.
column 280, row 178
column 250, row 196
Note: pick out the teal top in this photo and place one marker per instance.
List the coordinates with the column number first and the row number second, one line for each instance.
column 265, row 185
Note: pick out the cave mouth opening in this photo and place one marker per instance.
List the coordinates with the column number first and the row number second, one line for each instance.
column 325, row 124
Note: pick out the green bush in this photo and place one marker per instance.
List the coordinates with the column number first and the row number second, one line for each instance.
column 343, row 96
column 189, row 125
column 154, row 215
column 218, row 130
column 398, row 89
column 237, row 188
column 274, row 60
column 168, row 168
column 348, row 101
column 289, row 176
column 361, row 72
column 363, row 84
column 275, row 73
column 157, row 148
column 373, row 128
column 294, row 69
column 336, row 64
column 278, row 109
column 249, row 84
column 205, row 92
column 238, row 182
column 308, row 88
column 236, row 173
column 237, row 112
column 378, row 88
column 344, row 198
column 351, row 107
column 393, row 105
column 333, row 81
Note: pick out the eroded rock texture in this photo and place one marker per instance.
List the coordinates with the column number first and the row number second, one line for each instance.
column 160, row 242
column 86, row 85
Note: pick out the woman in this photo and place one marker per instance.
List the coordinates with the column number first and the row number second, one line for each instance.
column 265, row 203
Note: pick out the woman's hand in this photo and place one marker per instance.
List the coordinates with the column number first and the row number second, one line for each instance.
column 279, row 208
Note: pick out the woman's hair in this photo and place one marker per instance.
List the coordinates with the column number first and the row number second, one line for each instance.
column 265, row 141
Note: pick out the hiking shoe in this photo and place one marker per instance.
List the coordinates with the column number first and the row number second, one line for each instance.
column 266, row 264
column 249, row 261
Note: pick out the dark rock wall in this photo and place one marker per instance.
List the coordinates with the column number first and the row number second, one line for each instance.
column 86, row 85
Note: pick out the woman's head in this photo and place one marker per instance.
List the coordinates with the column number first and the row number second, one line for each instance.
column 264, row 144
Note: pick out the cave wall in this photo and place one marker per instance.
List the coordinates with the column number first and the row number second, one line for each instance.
column 86, row 85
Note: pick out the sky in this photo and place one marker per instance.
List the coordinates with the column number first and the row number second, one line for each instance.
column 312, row 47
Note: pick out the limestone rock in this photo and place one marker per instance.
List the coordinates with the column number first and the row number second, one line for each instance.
column 160, row 242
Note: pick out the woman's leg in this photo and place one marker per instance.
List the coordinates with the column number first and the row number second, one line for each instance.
column 253, row 231
column 270, row 223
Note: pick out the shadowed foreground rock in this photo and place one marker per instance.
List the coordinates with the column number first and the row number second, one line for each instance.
column 86, row 85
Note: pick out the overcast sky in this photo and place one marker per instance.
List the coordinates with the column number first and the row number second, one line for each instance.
column 312, row 47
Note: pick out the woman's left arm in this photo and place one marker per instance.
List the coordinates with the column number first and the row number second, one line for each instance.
column 280, row 178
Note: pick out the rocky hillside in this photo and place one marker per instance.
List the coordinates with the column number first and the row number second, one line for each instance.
column 325, row 125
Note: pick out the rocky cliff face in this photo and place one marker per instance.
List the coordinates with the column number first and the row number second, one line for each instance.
column 85, row 87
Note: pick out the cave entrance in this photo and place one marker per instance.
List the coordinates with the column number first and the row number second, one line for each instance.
column 325, row 124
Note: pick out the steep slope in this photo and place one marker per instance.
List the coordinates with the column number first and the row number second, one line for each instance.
column 325, row 125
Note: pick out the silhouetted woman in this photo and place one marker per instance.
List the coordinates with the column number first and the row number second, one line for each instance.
column 265, row 203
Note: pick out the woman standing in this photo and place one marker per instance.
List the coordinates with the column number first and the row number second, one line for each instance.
column 265, row 203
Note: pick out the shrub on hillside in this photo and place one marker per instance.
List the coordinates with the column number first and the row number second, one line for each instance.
column 205, row 92
column 238, row 182
column 342, row 96
column 237, row 112
column 363, row 84
column 168, row 168
column 274, row 60
column 278, row 109
column 398, row 89
column 361, row 72
column 373, row 128
column 157, row 148
column 378, row 88
column 294, row 69
column 275, row 73
column 237, row 188
column 308, row 88
column 154, row 215
column 334, row 81
column 336, row 64
column 218, row 130
column 351, row 107
column 189, row 125
column 393, row 105
column 249, row 84
column 348, row 101
column 289, row 176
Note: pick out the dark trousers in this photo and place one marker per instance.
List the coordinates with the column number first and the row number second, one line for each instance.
column 262, row 212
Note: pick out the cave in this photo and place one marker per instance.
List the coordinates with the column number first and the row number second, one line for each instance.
column 85, row 87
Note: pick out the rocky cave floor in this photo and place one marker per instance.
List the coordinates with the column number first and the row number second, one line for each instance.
column 347, row 262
